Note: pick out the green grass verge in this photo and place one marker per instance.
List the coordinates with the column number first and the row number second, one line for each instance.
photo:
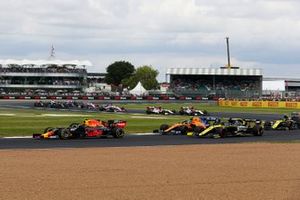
column 19, row 122
column 210, row 107
column 24, row 122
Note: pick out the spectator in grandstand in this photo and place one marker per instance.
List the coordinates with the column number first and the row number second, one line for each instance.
column 32, row 69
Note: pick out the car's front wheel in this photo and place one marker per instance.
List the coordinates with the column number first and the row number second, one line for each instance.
column 64, row 134
column 48, row 129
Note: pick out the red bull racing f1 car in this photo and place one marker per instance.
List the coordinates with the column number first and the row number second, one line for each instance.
column 90, row 128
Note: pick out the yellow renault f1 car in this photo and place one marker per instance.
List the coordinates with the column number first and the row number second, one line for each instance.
column 285, row 123
column 232, row 127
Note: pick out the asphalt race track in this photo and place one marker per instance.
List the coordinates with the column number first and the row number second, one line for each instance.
column 151, row 140
column 137, row 141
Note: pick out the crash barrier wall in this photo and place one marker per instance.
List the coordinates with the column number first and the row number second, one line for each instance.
column 119, row 98
column 259, row 104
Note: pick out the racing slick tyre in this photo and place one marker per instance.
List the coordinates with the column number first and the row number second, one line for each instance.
column 165, row 113
column 258, row 130
column 268, row 125
column 197, row 129
column 118, row 133
column 292, row 125
column 48, row 129
column 64, row 134
column 183, row 130
column 222, row 133
column 74, row 125
column 295, row 126
column 164, row 127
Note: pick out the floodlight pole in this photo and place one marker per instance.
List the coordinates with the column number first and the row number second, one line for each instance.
column 52, row 52
column 228, row 53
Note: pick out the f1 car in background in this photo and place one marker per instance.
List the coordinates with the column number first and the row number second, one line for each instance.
column 111, row 108
column 191, row 111
column 66, row 105
column 51, row 104
column 286, row 123
column 159, row 111
column 232, row 127
column 194, row 124
column 88, row 129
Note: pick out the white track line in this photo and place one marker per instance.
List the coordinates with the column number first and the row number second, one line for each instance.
column 133, row 134
column 17, row 137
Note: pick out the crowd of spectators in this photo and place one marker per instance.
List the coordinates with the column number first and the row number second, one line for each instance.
column 41, row 92
column 46, row 69
column 209, row 85
column 191, row 85
column 67, row 82
column 41, row 81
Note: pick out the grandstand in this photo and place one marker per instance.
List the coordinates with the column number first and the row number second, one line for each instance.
column 216, row 82
column 35, row 76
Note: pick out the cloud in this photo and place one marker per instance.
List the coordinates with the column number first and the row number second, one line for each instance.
column 163, row 33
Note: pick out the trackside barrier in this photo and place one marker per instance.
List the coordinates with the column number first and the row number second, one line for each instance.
column 259, row 104
column 119, row 98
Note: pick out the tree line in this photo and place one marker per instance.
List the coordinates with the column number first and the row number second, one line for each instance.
column 123, row 73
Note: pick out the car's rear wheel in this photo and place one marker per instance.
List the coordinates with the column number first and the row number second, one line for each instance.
column 268, row 125
column 183, row 130
column 222, row 133
column 118, row 133
column 198, row 129
column 258, row 130
column 164, row 127
column 165, row 113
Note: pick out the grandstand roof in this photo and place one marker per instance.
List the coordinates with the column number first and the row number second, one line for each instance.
column 215, row 71
column 275, row 78
column 46, row 62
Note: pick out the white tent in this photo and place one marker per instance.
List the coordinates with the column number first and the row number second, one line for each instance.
column 138, row 90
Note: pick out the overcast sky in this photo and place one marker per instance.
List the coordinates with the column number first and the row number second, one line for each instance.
column 162, row 33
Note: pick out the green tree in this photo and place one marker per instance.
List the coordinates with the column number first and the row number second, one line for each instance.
column 146, row 74
column 118, row 71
